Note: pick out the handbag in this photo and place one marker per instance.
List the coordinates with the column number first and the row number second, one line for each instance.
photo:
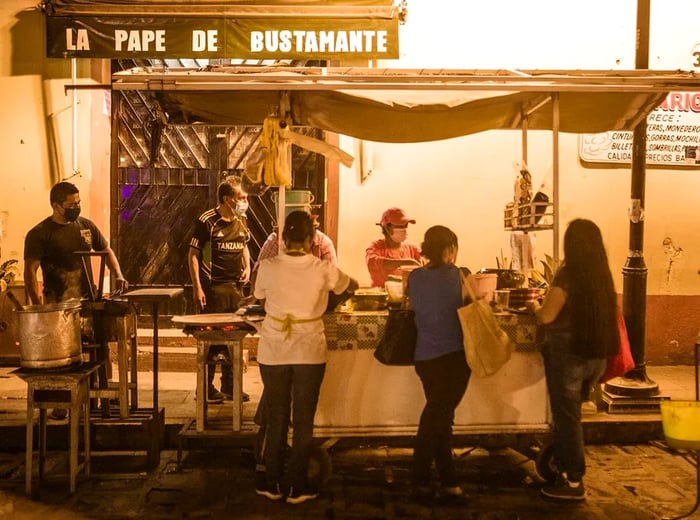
column 397, row 345
column 486, row 345
column 622, row 362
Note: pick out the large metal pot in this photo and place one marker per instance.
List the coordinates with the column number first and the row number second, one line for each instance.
column 49, row 335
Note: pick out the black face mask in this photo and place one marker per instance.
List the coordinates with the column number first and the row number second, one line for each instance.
column 71, row 214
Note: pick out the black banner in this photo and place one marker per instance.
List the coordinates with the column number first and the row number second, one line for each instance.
column 234, row 38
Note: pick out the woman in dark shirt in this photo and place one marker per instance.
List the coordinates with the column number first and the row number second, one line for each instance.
column 580, row 327
column 435, row 294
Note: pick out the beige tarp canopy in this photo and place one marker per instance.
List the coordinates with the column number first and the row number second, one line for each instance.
column 399, row 106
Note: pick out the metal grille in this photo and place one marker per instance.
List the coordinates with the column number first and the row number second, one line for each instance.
column 167, row 176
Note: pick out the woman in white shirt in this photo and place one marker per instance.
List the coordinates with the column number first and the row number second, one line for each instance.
column 292, row 352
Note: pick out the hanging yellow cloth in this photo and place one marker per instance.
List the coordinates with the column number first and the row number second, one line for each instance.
column 277, row 170
column 270, row 163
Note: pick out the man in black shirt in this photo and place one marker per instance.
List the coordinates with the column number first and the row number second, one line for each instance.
column 51, row 245
column 219, row 263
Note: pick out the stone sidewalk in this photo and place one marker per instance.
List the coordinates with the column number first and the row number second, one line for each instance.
column 635, row 482
column 644, row 480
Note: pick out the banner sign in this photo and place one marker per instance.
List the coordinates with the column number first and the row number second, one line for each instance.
column 310, row 38
column 673, row 136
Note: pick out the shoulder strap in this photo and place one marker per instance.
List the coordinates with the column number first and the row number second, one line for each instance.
column 467, row 290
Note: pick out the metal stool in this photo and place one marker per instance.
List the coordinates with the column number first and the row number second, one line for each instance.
column 46, row 389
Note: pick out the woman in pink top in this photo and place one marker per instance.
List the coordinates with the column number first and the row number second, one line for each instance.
column 385, row 256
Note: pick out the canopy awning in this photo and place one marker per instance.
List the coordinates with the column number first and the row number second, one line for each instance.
column 256, row 8
column 400, row 106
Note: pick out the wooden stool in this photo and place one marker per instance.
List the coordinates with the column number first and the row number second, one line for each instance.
column 48, row 389
column 233, row 340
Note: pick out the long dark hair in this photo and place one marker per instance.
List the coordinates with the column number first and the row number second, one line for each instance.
column 591, row 292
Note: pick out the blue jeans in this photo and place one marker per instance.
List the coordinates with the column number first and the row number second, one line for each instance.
column 290, row 390
column 444, row 383
column 569, row 377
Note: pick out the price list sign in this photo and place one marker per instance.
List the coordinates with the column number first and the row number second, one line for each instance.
column 673, row 136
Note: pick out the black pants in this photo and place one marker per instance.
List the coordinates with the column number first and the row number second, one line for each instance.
column 221, row 298
column 444, row 383
column 291, row 392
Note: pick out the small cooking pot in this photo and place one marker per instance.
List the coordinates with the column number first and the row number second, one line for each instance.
column 507, row 278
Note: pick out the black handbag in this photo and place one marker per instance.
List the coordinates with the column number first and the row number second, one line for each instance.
column 398, row 344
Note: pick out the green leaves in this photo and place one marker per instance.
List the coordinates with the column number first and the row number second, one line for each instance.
column 545, row 277
column 8, row 272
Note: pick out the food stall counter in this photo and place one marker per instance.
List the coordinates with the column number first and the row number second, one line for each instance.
column 360, row 396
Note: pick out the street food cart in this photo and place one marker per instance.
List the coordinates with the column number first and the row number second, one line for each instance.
column 359, row 397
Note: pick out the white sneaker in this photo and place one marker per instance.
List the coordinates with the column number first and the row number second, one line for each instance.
column 589, row 408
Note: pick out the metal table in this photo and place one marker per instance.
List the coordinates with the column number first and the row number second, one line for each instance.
column 155, row 297
column 218, row 329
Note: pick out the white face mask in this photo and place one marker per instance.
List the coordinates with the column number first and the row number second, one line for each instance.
column 240, row 208
column 399, row 235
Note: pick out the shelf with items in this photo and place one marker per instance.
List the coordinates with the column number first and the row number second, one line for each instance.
column 533, row 216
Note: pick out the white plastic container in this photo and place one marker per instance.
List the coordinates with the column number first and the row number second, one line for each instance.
column 486, row 285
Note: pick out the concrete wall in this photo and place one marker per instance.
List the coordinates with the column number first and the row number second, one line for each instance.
column 37, row 132
column 465, row 183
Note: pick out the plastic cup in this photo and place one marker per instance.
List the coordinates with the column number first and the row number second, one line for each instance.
column 501, row 298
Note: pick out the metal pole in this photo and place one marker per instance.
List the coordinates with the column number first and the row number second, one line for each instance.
column 74, row 155
column 555, row 178
column 636, row 381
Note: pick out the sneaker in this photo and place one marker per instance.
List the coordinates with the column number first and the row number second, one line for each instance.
column 58, row 414
column 421, row 494
column 300, row 496
column 589, row 408
column 228, row 395
column 454, row 495
column 564, row 489
column 214, row 396
column 271, row 491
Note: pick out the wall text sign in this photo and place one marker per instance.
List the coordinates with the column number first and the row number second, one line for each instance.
column 673, row 136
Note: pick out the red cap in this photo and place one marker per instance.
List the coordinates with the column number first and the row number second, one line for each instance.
column 395, row 217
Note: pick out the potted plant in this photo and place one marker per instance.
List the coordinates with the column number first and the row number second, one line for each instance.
column 543, row 279
column 8, row 272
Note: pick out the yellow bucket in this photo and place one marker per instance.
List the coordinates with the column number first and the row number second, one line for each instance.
column 681, row 423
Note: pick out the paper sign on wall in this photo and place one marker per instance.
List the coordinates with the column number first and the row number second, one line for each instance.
column 673, row 136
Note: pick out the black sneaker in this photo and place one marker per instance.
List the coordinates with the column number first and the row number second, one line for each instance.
column 563, row 489
column 422, row 494
column 300, row 496
column 58, row 414
column 454, row 495
column 271, row 491
column 214, row 396
column 229, row 396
